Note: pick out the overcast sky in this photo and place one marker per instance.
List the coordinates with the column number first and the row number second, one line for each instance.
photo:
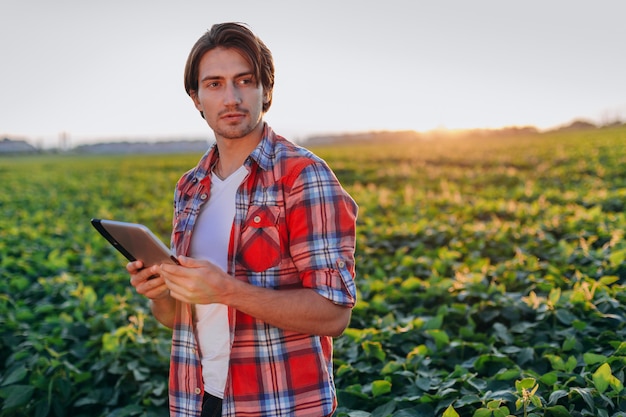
column 113, row 68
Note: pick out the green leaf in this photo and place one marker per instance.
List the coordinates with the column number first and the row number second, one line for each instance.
column 556, row 396
column 556, row 361
column 417, row 352
column 571, row 364
column 494, row 404
column 390, row 368
column 616, row 384
column 536, row 401
column 15, row 376
column 617, row 258
column 384, row 410
column 526, row 383
column 549, row 378
column 380, row 387
column 450, row 412
column 82, row 377
column 441, row 337
column 602, row 377
column 554, row 296
column 621, row 349
column 569, row 344
column 374, row 350
column 16, row 395
column 557, row 411
column 565, row 316
column 593, row 358
column 501, row 412
column 127, row 411
column 585, row 394
column 434, row 323
column 42, row 409
column 20, row 283
column 507, row 374
column 610, row 279
column 89, row 296
column 110, row 342
column 482, row 412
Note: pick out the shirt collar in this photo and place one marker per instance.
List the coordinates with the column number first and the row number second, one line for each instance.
column 263, row 155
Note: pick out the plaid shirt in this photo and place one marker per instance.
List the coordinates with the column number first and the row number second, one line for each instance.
column 294, row 227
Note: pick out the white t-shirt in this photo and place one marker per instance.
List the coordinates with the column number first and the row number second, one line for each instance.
column 209, row 241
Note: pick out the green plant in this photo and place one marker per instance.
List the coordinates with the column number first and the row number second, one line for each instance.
column 490, row 274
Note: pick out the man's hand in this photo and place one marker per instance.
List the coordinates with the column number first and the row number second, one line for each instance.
column 302, row 310
column 195, row 281
column 148, row 283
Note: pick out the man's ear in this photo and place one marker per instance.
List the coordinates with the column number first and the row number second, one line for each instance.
column 194, row 97
column 196, row 102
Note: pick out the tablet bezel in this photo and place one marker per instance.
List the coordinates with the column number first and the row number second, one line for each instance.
column 135, row 241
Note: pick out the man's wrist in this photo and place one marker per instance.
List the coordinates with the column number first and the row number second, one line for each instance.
column 164, row 295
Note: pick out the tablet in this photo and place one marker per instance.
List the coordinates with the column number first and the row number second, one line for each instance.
column 135, row 241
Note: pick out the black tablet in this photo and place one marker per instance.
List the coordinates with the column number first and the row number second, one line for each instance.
column 135, row 241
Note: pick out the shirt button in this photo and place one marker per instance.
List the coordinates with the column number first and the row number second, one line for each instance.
column 341, row 264
column 198, row 391
column 257, row 219
column 203, row 196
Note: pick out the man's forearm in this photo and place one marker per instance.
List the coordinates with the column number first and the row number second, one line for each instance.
column 164, row 310
column 301, row 310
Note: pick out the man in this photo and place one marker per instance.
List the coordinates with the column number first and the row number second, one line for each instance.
column 265, row 236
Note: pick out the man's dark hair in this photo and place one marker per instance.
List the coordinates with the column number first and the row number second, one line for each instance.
column 237, row 36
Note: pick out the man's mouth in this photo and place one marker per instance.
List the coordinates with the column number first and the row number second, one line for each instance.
column 233, row 116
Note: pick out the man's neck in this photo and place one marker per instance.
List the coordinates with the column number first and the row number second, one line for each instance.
column 233, row 152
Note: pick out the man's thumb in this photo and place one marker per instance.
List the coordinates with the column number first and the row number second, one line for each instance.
column 190, row 262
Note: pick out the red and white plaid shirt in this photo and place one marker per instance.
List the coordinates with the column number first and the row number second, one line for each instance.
column 294, row 227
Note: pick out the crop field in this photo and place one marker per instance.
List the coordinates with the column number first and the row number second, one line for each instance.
column 491, row 274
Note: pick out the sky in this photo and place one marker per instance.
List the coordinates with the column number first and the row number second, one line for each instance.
column 113, row 70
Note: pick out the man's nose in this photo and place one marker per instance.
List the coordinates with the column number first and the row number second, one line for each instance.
column 232, row 95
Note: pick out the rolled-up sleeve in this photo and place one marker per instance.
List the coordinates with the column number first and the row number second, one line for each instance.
column 322, row 233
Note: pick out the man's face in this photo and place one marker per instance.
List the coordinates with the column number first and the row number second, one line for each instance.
column 229, row 96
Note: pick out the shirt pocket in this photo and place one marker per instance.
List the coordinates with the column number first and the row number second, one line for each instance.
column 259, row 247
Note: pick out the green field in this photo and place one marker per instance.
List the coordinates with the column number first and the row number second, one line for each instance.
column 491, row 275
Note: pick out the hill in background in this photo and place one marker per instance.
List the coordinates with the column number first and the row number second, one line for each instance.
column 19, row 146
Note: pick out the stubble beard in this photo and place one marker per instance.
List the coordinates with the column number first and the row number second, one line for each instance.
column 238, row 130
